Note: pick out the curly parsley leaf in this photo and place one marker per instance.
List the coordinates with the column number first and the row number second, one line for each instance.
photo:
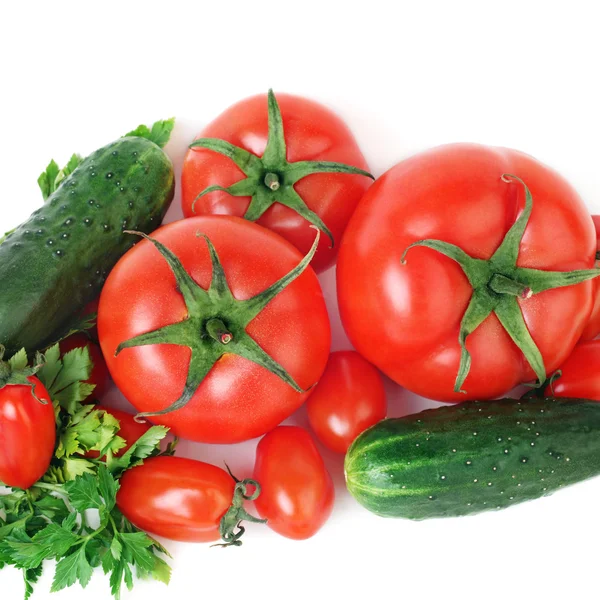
column 159, row 134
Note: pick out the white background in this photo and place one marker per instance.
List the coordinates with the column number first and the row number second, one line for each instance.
column 405, row 76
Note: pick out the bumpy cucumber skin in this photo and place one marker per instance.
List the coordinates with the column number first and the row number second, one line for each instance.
column 52, row 265
column 474, row 456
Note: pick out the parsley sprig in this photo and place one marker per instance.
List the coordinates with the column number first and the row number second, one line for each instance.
column 52, row 520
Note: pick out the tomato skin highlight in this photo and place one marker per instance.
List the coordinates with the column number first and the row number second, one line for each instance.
column 297, row 494
column 455, row 193
column 592, row 329
column 312, row 132
column 99, row 376
column 177, row 498
column 130, row 429
column 238, row 399
column 27, row 434
column 580, row 373
column 349, row 398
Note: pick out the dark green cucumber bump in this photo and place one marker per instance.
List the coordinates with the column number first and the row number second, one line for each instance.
column 475, row 456
column 56, row 262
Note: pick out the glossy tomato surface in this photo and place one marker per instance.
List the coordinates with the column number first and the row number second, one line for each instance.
column 99, row 377
column 130, row 430
column 297, row 493
column 405, row 318
column 27, row 434
column 238, row 399
column 592, row 329
column 580, row 373
column 348, row 399
column 312, row 132
column 177, row 498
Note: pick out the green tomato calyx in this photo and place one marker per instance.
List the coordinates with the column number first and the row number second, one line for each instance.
column 270, row 179
column 498, row 285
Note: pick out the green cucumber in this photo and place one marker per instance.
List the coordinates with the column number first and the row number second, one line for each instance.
column 56, row 262
column 475, row 456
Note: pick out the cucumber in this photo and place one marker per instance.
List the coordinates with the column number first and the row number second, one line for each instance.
column 56, row 262
column 475, row 456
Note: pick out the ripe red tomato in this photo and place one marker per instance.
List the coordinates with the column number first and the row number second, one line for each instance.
column 177, row 498
column 99, row 377
column 27, row 433
column 130, row 429
column 406, row 318
column 228, row 396
column 297, row 491
column 592, row 329
column 312, row 133
column 348, row 399
column 580, row 373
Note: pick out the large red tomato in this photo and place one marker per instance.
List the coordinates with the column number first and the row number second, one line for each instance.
column 297, row 492
column 592, row 329
column 457, row 204
column 285, row 189
column 580, row 373
column 27, row 430
column 257, row 344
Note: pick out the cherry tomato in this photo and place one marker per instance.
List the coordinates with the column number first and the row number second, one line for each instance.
column 408, row 319
column 297, row 491
column 130, row 429
column 592, row 329
column 27, row 433
column 580, row 373
column 177, row 498
column 233, row 384
column 312, row 133
column 99, row 377
column 348, row 399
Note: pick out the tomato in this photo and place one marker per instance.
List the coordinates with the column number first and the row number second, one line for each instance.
column 231, row 378
column 348, row 399
column 299, row 193
column 27, row 432
column 130, row 429
column 99, row 377
column 580, row 373
column 297, row 491
column 422, row 322
column 177, row 498
column 592, row 329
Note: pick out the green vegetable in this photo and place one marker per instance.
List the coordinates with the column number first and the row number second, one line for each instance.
column 49, row 521
column 475, row 456
column 52, row 265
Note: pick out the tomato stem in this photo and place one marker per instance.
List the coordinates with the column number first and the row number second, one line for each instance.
column 504, row 285
column 218, row 331
column 272, row 181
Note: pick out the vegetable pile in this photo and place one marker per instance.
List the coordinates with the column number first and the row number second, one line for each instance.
column 463, row 272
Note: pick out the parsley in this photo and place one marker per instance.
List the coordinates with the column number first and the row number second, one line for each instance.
column 50, row 520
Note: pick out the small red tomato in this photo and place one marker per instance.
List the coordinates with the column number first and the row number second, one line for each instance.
column 592, row 329
column 297, row 491
column 348, row 399
column 177, row 498
column 130, row 429
column 27, row 431
column 99, row 377
column 580, row 373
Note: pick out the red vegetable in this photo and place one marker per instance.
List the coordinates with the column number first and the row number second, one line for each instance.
column 292, row 185
column 450, row 319
column 297, row 492
column 99, row 377
column 220, row 366
column 580, row 373
column 348, row 399
column 184, row 499
column 27, row 427
column 130, row 429
column 592, row 329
